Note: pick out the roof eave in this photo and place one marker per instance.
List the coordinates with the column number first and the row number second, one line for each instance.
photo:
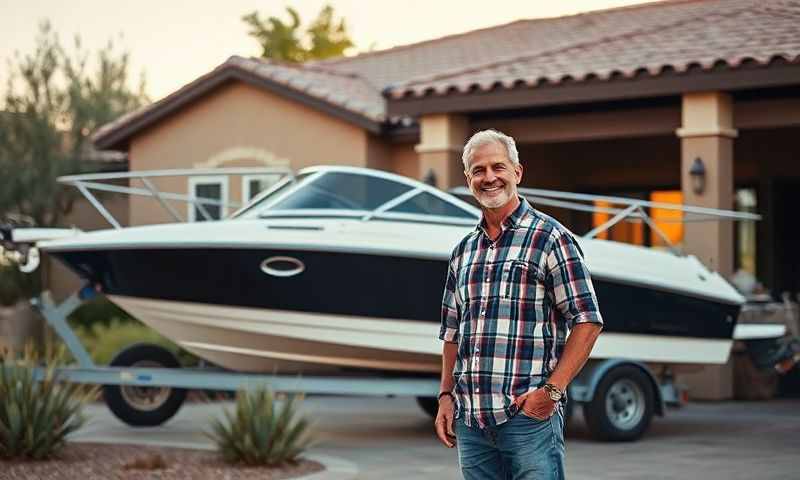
column 119, row 138
column 669, row 83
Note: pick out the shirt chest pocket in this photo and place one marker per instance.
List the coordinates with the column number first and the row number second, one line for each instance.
column 523, row 281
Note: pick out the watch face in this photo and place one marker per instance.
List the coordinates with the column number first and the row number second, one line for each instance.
column 555, row 396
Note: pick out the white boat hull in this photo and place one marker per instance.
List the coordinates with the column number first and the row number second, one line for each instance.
column 279, row 341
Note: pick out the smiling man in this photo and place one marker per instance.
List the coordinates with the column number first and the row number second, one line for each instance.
column 515, row 286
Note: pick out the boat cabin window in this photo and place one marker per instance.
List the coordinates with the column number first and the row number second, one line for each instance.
column 343, row 191
column 426, row 203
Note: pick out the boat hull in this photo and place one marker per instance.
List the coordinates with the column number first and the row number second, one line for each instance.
column 260, row 340
column 361, row 311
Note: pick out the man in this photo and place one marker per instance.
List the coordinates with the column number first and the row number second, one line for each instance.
column 515, row 286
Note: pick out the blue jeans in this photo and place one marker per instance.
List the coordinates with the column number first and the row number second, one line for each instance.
column 522, row 448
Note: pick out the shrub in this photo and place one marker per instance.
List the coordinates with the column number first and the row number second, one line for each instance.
column 261, row 432
column 99, row 310
column 15, row 285
column 104, row 341
column 36, row 416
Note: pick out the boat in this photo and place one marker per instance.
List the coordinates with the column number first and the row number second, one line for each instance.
column 342, row 268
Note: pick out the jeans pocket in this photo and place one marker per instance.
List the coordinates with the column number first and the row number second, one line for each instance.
column 533, row 419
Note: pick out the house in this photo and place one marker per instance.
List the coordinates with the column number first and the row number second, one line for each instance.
column 626, row 101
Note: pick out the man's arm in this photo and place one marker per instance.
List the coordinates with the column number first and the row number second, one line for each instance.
column 449, row 351
column 449, row 334
column 444, row 418
column 576, row 352
column 579, row 345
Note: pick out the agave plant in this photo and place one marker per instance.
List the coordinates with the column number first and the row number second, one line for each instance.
column 261, row 431
column 36, row 414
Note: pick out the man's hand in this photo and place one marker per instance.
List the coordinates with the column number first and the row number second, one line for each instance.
column 444, row 421
column 536, row 404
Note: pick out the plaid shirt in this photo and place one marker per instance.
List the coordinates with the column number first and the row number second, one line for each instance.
column 508, row 304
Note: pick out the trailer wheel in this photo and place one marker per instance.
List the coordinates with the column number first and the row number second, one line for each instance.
column 622, row 406
column 429, row 404
column 144, row 406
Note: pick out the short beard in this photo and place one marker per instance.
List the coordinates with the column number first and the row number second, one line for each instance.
column 495, row 202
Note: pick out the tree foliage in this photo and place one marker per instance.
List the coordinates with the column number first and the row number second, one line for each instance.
column 52, row 104
column 326, row 37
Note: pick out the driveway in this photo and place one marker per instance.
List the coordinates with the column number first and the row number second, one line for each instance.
column 390, row 438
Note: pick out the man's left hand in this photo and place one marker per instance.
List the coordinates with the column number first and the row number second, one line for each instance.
column 537, row 404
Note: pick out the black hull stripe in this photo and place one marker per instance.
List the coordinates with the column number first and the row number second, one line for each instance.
column 361, row 285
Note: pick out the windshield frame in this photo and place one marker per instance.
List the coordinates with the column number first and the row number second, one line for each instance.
column 253, row 210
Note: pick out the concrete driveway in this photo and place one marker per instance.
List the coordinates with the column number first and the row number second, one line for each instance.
column 390, row 438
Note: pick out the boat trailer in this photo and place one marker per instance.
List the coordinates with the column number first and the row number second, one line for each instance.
column 145, row 386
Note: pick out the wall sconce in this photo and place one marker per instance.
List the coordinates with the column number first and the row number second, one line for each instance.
column 430, row 178
column 697, row 172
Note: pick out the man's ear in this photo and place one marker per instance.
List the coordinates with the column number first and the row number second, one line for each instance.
column 518, row 171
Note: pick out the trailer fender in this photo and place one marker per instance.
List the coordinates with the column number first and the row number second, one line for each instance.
column 584, row 386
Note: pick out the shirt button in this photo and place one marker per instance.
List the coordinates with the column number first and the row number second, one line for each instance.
column 478, row 390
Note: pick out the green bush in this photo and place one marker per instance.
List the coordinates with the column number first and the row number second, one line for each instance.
column 99, row 310
column 104, row 341
column 36, row 416
column 261, row 432
column 15, row 285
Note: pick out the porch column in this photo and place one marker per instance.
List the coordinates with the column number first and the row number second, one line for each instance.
column 707, row 134
column 442, row 137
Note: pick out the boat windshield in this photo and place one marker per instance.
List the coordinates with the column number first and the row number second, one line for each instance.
column 366, row 195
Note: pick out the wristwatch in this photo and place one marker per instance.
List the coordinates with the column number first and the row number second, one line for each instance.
column 555, row 394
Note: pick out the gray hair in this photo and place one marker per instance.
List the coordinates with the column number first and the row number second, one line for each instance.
column 485, row 137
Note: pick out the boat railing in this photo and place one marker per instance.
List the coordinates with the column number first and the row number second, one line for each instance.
column 626, row 209
column 85, row 183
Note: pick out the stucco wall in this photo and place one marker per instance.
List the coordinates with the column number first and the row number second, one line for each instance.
column 240, row 125
column 405, row 160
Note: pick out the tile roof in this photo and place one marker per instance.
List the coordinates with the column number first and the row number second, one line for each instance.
column 675, row 36
column 339, row 89
column 345, row 89
column 671, row 35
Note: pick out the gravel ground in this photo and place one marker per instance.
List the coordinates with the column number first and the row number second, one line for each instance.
column 92, row 461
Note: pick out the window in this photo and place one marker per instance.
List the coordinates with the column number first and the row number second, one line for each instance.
column 343, row 191
column 623, row 231
column 252, row 185
column 668, row 221
column 269, row 195
column 426, row 203
column 208, row 188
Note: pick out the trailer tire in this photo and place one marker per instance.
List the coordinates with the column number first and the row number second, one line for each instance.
column 622, row 406
column 430, row 405
column 144, row 406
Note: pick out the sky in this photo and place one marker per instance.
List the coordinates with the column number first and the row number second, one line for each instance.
column 175, row 41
